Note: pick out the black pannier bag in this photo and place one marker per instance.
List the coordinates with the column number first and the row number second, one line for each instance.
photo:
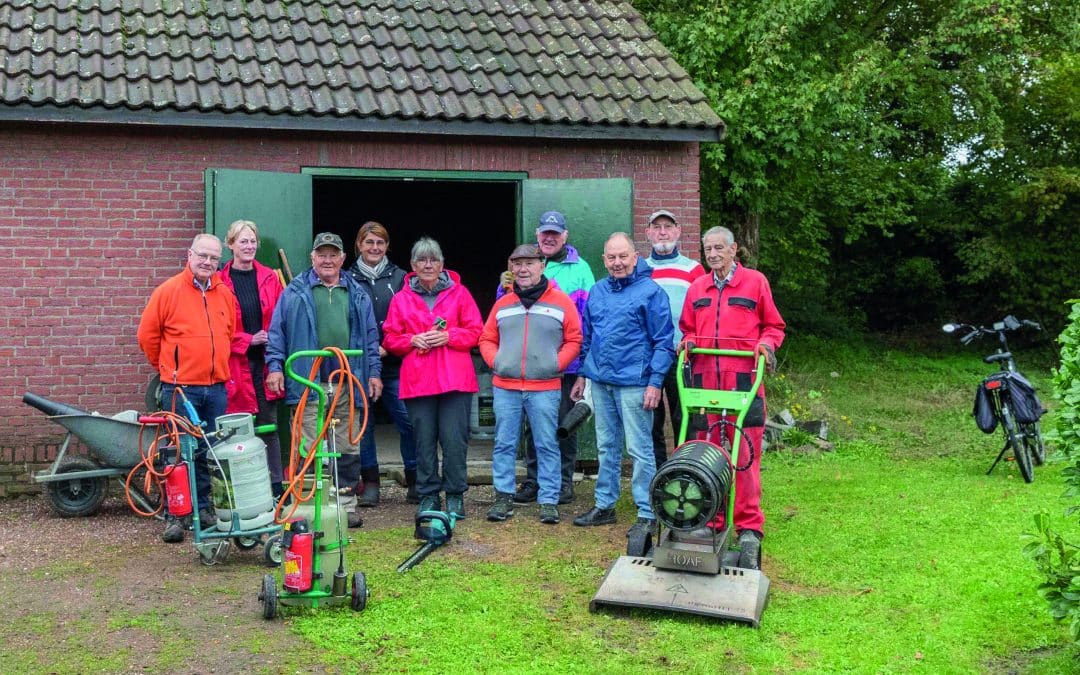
column 985, row 418
column 1025, row 403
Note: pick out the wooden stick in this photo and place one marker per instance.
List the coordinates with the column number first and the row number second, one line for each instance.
column 285, row 263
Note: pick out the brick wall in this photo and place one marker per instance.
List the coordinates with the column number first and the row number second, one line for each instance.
column 91, row 220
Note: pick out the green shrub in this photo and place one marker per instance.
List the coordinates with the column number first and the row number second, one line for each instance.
column 1057, row 559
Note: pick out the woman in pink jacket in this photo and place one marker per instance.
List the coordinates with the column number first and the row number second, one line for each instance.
column 257, row 289
column 432, row 324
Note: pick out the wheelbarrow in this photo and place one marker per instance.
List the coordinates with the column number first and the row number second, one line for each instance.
column 76, row 485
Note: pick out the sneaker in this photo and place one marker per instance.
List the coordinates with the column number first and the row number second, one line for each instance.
column 455, row 506
column 750, row 550
column 354, row 520
column 566, row 494
column 642, row 526
column 549, row 514
column 595, row 516
column 174, row 531
column 526, row 494
column 430, row 503
column 503, row 508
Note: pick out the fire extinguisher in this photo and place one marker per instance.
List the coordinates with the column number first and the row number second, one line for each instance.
column 298, row 542
column 178, row 489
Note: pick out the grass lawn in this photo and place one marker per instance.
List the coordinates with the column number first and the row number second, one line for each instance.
column 894, row 553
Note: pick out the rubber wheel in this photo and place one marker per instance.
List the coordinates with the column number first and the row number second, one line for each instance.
column 78, row 496
column 272, row 553
column 246, row 543
column 268, row 596
column 1033, row 437
column 152, row 398
column 359, row 591
column 1016, row 442
column 639, row 545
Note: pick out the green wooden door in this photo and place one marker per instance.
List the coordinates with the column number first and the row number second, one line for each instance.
column 279, row 203
column 594, row 208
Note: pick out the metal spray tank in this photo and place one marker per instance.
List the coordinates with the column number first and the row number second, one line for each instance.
column 242, row 484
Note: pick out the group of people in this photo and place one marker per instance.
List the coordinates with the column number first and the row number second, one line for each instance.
column 552, row 330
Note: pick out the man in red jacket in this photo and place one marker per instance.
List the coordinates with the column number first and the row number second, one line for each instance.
column 186, row 333
column 733, row 308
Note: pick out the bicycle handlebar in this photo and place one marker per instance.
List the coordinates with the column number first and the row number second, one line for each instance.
column 1008, row 324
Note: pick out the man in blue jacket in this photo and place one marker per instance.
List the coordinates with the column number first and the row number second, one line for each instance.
column 626, row 352
column 324, row 308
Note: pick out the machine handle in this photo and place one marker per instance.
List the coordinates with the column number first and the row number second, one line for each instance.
column 153, row 419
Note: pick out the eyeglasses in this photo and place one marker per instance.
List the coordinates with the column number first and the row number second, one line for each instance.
column 205, row 257
column 427, row 261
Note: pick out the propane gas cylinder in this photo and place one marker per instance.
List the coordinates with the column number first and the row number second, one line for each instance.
column 242, row 484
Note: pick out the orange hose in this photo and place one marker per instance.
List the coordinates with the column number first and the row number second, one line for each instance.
column 340, row 380
column 174, row 426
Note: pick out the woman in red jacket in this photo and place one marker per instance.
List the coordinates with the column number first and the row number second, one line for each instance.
column 432, row 324
column 257, row 288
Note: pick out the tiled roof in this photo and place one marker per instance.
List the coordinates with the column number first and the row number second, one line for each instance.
column 512, row 62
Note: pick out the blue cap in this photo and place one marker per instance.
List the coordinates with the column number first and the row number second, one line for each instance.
column 552, row 221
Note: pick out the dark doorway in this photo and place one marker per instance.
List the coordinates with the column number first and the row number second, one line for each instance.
column 473, row 221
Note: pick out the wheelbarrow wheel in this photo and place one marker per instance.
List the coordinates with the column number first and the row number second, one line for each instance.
column 268, row 596
column 77, row 497
column 359, row 592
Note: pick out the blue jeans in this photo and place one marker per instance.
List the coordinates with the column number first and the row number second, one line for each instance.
column 621, row 419
column 400, row 415
column 542, row 409
column 209, row 403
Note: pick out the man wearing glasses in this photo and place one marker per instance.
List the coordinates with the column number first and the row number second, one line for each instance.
column 674, row 273
column 186, row 332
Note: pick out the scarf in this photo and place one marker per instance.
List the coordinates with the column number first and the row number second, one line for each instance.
column 530, row 295
column 370, row 272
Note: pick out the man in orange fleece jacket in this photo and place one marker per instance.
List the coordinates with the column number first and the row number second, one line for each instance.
column 186, row 333
column 531, row 336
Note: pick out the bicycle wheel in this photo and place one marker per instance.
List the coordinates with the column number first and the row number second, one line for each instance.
column 1016, row 442
column 1034, row 440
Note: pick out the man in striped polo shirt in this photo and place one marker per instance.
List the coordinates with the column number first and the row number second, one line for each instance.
column 673, row 272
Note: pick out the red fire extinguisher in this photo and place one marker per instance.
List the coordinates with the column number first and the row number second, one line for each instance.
column 178, row 489
column 298, row 542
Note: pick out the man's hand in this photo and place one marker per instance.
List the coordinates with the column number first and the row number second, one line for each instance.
column 259, row 338
column 652, row 398
column 577, row 392
column 685, row 344
column 275, row 382
column 770, row 357
column 382, row 351
column 374, row 386
column 506, row 280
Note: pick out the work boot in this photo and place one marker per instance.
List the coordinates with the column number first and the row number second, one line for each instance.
column 369, row 496
column 410, row 483
column 641, row 525
column 503, row 508
column 549, row 514
column 595, row 516
column 455, row 506
column 174, row 531
column 750, row 550
column 526, row 494
column 566, row 494
column 354, row 520
column 430, row 503
column 208, row 519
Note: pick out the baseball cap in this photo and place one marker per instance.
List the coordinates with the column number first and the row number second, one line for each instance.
column 525, row 251
column 662, row 213
column 328, row 239
column 552, row 221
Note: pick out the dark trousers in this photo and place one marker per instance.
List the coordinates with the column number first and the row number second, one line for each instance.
column 209, row 403
column 567, row 446
column 267, row 414
column 671, row 391
column 441, row 420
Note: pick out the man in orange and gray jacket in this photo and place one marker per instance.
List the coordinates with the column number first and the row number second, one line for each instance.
column 186, row 333
column 531, row 336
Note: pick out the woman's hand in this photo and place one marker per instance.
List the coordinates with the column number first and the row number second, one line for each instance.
column 259, row 338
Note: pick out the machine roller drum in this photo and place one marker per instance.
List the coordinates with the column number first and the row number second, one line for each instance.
column 691, row 487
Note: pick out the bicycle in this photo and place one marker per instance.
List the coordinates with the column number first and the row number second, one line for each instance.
column 1007, row 397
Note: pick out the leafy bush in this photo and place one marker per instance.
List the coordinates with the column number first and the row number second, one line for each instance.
column 1057, row 559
